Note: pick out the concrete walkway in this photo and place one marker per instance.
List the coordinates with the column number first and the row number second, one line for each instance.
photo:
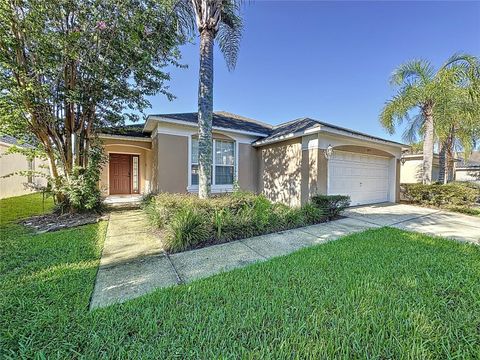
column 134, row 264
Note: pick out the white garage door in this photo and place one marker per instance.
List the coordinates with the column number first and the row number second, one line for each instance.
column 363, row 177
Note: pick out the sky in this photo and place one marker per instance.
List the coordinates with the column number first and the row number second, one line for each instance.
column 328, row 60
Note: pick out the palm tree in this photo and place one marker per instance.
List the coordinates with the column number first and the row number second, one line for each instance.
column 458, row 118
column 417, row 89
column 216, row 20
column 457, row 127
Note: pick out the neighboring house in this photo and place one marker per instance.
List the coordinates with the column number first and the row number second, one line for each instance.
column 469, row 170
column 10, row 163
column 288, row 163
column 411, row 170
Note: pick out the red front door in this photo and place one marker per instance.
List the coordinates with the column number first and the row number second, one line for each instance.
column 120, row 174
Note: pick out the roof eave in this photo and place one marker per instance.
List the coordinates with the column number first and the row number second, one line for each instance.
column 309, row 131
column 124, row 137
column 151, row 119
column 331, row 130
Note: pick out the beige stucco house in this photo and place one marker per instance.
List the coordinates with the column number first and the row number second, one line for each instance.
column 411, row 169
column 469, row 169
column 12, row 163
column 288, row 162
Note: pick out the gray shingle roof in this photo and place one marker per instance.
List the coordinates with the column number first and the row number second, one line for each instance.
column 224, row 120
column 302, row 124
column 13, row 141
column 134, row 130
column 473, row 161
column 292, row 127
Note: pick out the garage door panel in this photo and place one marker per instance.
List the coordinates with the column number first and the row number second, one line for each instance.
column 364, row 178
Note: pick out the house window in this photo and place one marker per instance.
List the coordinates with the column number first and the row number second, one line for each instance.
column 224, row 161
column 194, row 169
column 223, row 169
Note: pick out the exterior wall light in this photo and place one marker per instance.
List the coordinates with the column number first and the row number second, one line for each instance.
column 403, row 159
column 328, row 151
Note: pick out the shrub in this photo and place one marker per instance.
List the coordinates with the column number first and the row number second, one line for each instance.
column 189, row 221
column 331, row 205
column 80, row 191
column 312, row 213
column 284, row 217
column 187, row 228
column 442, row 195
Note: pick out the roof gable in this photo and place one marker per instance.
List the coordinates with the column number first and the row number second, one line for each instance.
column 221, row 120
column 299, row 126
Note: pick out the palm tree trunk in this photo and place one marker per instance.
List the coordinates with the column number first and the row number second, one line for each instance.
column 428, row 144
column 205, row 110
column 449, row 156
column 442, row 162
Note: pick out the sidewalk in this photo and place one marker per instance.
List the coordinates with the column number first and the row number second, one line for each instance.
column 134, row 264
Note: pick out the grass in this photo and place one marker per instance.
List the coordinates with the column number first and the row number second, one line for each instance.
column 20, row 207
column 473, row 211
column 383, row 293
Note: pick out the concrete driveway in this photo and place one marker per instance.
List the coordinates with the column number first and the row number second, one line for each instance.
column 414, row 218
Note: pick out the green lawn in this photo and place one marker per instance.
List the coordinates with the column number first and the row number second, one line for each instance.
column 379, row 294
column 20, row 207
column 473, row 211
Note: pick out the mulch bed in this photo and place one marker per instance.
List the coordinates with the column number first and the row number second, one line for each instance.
column 53, row 222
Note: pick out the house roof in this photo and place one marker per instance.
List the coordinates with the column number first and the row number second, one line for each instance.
column 7, row 139
column 228, row 121
column 473, row 161
column 221, row 119
column 417, row 155
column 133, row 130
column 298, row 127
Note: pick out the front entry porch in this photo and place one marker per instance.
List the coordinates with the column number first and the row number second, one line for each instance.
column 128, row 169
column 123, row 201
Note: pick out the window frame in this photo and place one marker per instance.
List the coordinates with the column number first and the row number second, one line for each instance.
column 215, row 188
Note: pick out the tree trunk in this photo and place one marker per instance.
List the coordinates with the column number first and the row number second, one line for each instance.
column 449, row 157
column 428, row 144
column 205, row 110
column 446, row 158
column 442, row 162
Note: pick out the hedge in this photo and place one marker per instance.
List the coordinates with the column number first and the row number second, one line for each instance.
column 442, row 195
column 189, row 222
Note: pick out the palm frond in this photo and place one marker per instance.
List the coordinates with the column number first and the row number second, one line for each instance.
column 467, row 69
column 396, row 110
column 230, row 32
column 459, row 59
column 185, row 16
column 412, row 72
column 413, row 133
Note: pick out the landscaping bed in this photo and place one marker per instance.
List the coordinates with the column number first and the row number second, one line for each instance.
column 187, row 222
column 55, row 222
column 462, row 197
